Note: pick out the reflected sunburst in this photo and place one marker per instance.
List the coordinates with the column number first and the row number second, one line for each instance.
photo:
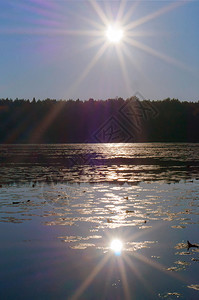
column 116, row 246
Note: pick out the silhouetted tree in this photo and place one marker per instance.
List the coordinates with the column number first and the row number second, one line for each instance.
column 52, row 121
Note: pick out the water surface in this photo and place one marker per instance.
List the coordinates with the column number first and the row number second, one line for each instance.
column 61, row 206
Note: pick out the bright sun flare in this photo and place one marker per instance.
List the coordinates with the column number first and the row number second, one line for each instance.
column 114, row 34
column 116, row 246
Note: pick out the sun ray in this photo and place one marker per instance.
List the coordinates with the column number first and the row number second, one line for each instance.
column 51, row 31
column 155, row 53
column 155, row 14
column 90, row 278
column 134, row 62
column 121, row 10
column 124, row 280
column 136, row 273
column 144, row 33
column 92, row 22
column 137, row 66
column 108, row 279
column 44, row 124
column 99, row 11
column 124, row 71
column 88, row 68
column 109, row 12
column 130, row 12
column 158, row 266
column 93, row 43
column 46, row 10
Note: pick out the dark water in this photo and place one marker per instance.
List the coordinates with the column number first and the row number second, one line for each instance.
column 116, row 163
column 61, row 206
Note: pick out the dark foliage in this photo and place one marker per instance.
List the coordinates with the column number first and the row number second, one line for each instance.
column 113, row 120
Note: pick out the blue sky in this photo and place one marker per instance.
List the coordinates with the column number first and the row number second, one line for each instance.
column 58, row 49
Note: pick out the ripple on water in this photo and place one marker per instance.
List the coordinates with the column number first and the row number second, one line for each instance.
column 144, row 216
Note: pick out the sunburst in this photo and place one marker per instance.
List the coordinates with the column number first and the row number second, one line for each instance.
column 121, row 33
column 106, row 30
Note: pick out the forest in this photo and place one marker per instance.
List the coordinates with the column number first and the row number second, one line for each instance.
column 98, row 121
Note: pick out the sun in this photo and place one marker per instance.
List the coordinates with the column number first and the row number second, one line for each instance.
column 114, row 34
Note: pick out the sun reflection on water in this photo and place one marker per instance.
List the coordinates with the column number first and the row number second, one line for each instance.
column 116, row 246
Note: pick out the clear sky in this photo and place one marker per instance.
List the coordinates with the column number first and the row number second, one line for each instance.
column 59, row 49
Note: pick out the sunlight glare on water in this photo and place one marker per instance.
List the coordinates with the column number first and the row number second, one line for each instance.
column 119, row 214
column 116, row 246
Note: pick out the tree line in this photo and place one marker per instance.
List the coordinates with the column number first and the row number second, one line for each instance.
column 98, row 121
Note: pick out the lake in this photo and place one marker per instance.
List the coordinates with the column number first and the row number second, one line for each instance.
column 99, row 221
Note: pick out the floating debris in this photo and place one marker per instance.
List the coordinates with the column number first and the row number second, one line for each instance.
column 109, row 221
column 180, row 246
column 195, row 259
column 19, row 202
column 169, row 295
column 183, row 263
column 178, row 226
column 129, row 211
column 194, row 286
column 172, row 269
